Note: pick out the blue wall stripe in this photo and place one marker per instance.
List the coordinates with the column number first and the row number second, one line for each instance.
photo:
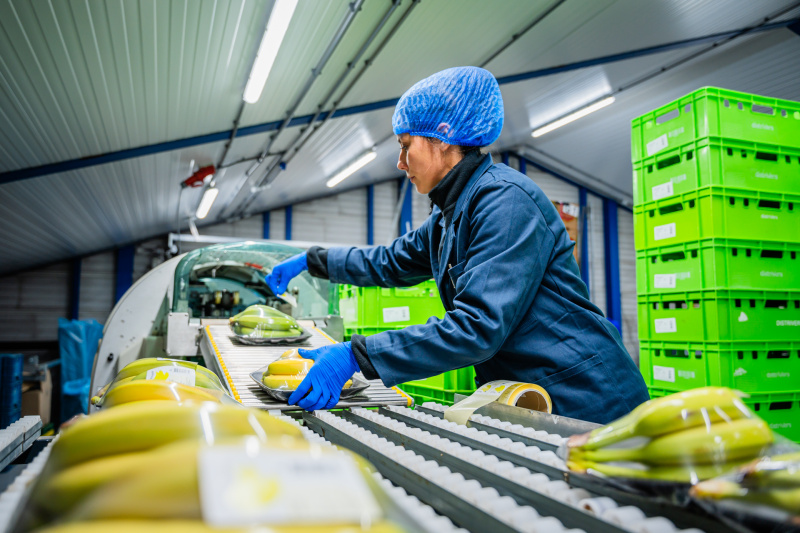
column 75, row 290
column 265, row 225
column 611, row 241
column 370, row 214
column 583, row 236
column 124, row 269
column 288, row 211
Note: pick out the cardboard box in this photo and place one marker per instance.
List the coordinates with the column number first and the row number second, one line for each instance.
column 37, row 397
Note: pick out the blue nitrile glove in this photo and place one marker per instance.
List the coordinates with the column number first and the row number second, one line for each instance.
column 333, row 366
column 284, row 272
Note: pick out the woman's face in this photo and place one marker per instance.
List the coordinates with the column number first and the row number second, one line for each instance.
column 425, row 163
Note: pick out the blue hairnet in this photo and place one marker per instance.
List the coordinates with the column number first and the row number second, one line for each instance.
column 461, row 106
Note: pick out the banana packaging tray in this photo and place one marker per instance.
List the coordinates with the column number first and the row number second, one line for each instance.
column 257, row 341
column 356, row 388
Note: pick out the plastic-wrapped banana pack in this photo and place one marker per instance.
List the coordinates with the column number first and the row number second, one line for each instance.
column 196, row 467
column 261, row 324
column 705, row 441
column 162, row 379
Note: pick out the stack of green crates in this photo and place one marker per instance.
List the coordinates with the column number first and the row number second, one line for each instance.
column 717, row 234
column 370, row 310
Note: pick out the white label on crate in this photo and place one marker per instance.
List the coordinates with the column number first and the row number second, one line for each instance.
column 770, row 217
column 686, row 374
column 766, row 175
column 248, row 484
column 743, row 317
column 665, row 281
column 787, row 322
column 767, row 274
column 781, row 425
column 657, row 144
column 664, row 373
column 176, row 374
column 759, row 126
column 778, row 375
column 666, row 325
column 667, row 231
column 676, row 132
column 739, row 372
column 396, row 314
column 663, row 190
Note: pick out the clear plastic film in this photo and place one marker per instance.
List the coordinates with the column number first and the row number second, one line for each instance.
column 705, row 441
column 261, row 324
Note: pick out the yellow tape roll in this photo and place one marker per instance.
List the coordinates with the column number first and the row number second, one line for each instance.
column 513, row 393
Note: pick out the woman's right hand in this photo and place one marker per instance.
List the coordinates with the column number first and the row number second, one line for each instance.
column 282, row 273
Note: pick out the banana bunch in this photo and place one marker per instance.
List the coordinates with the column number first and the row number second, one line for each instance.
column 772, row 481
column 197, row 526
column 684, row 437
column 264, row 321
column 288, row 371
column 151, row 390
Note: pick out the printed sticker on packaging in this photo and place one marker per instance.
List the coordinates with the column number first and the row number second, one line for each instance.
column 666, row 325
column 664, row 281
column 396, row 314
column 667, row 231
column 657, row 144
column 176, row 374
column 664, row 373
column 249, row 485
column 662, row 191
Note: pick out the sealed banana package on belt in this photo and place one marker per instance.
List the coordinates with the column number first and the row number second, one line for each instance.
column 282, row 377
column 261, row 324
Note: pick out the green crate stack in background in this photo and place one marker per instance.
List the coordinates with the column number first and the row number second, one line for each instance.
column 370, row 310
column 717, row 232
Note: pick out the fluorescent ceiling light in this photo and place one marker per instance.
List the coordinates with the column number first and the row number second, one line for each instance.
column 573, row 116
column 350, row 169
column 277, row 25
column 205, row 204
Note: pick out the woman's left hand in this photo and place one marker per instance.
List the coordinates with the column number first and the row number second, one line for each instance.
column 333, row 366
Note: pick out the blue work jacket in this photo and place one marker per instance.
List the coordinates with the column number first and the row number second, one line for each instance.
column 516, row 306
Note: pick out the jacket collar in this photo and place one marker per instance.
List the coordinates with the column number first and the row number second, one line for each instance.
column 462, row 199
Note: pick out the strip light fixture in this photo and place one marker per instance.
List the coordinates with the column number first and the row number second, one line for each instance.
column 572, row 117
column 350, row 169
column 205, row 204
column 278, row 23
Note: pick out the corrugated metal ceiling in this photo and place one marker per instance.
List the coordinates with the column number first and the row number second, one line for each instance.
column 85, row 78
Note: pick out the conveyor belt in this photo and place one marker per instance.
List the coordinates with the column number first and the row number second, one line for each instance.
column 235, row 362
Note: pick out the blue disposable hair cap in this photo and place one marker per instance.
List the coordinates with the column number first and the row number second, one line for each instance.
column 461, row 106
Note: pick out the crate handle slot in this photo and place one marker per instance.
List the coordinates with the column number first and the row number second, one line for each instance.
column 778, row 354
column 763, row 109
column 776, row 304
column 780, row 406
column 772, row 254
column 666, row 117
column 677, row 353
column 769, row 204
column 766, row 156
column 670, row 209
column 674, row 256
column 668, row 162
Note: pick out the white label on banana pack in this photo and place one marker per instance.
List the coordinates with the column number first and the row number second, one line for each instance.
column 657, row 144
column 664, row 373
column 665, row 281
column 666, row 325
column 667, row 231
column 250, row 485
column 396, row 314
column 176, row 374
column 662, row 191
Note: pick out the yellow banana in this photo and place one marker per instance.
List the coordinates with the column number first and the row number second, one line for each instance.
column 197, row 526
column 201, row 379
column 784, row 498
column 287, row 382
column 138, row 391
column 98, row 399
column 290, row 363
column 722, row 442
column 145, row 425
column 703, row 406
column 678, row 474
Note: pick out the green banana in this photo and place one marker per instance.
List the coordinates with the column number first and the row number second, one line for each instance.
column 265, row 323
column 145, row 425
column 675, row 412
column 784, row 498
column 259, row 310
column 678, row 474
column 719, row 443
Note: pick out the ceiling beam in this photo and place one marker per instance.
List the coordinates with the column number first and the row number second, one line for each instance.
column 130, row 153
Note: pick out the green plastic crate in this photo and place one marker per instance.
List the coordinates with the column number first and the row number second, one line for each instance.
column 756, row 367
column 462, row 379
column 713, row 112
column 780, row 411
column 718, row 264
column 717, row 212
column 714, row 316
column 381, row 308
column 715, row 161
column 423, row 393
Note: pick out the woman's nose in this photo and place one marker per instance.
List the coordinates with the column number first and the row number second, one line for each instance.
column 401, row 165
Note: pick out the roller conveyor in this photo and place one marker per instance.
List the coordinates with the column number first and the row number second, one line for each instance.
column 235, row 361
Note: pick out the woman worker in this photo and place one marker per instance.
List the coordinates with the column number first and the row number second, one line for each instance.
column 516, row 306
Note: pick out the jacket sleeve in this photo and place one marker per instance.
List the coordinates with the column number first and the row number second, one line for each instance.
column 403, row 263
column 510, row 247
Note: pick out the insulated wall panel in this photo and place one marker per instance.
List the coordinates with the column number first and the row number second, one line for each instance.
column 597, row 252
column 334, row 219
column 385, row 202
column 627, row 276
column 31, row 303
column 97, row 286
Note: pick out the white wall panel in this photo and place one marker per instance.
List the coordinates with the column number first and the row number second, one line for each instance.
column 98, row 281
column 31, row 302
column 336, row 219
column 597, row 252
column 556, row 189
column 385, row 201
column 627, row 276
column 420, row 207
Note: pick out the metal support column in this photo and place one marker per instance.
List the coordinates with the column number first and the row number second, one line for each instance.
column 75, row 289
column 288, row 211
column 265, row 225
column 504, row 158
column 583, row 238
column 370, row 214
column 405, row 212
column 124, row 271
column 611, row 241
column 523, row 165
